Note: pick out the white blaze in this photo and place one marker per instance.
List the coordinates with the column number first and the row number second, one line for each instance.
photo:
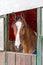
column 17, row 40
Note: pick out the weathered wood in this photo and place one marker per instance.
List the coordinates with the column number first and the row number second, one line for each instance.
column 25, row 59
column 38, row 37
column 34, row 60
column 2, row 58
column 10, row 58
column 20, row 59
column 28, row 60
column 42, row 50
column 17, row 59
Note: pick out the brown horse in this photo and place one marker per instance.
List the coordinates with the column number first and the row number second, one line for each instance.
column 26, row 36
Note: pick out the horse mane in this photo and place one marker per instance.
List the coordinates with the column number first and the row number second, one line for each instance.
column 30, row 37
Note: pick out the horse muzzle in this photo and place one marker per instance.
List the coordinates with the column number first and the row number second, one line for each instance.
column 18, row 49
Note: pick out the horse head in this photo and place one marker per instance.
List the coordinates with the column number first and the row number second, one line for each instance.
column 23, row 33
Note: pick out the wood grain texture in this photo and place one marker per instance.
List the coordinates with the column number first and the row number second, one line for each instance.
column 10, row 58
column 17, row 59
column 23, row 59
column 2, row 58
column 28, row 60
column 20, row 59
column 34, row 60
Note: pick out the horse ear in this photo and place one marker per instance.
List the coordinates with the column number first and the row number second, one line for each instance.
column 13, row 15
column 22, row 14
column 23, row 18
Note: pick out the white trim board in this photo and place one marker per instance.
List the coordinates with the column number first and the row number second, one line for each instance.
column 1, row 34
column 8, row 6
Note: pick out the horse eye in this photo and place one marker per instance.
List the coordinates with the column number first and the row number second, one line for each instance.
column 23, row 25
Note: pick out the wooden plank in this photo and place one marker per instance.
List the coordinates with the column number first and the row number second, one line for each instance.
column 10, row 57
column 42, row 50
column 42, row 21
column 38, row 38
column 25, row 59
column 2, row 58
column 2, row 34
column 38, row 21
column 17, row 59
column 28, row 60
column 5, row 31
column 22, row 59
column 34, row 60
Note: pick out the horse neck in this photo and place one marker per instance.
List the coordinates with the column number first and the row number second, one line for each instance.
column 27, row 43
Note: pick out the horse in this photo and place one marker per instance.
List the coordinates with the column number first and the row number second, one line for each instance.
column 25, row 37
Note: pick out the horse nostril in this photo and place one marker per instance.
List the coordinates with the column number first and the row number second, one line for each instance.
column 16, row 49
column 20, row 48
